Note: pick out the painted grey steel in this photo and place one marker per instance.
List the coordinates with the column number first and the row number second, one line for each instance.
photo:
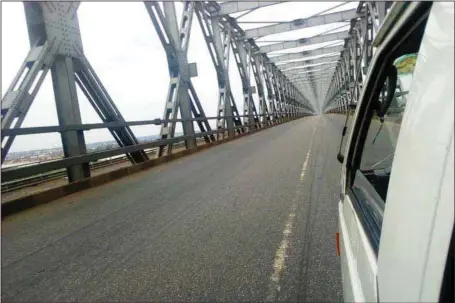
column 301, row 23
column 56, row 45
column 346, row 83
column 12, row 174
column 302, row 63
column 304, row 42
column 182, row 96
column 90, row 126
column 300, row 69
column 257, row 64
column 279, row 96
column 304, row 54
column 270, row 92
column 218, row 42
column 68, row 112
column 242, row 54
column 319, row 69
column 231, row 7
column 27, row 171
column 311, row 78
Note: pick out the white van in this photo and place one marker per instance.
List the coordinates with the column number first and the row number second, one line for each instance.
column 396, row 213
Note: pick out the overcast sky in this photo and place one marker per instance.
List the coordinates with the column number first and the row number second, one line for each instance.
column 122, row 46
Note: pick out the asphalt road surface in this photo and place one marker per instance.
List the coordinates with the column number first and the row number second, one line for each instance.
column 250, row 220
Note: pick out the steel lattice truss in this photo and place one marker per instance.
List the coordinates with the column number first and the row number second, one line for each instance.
column 321, row 79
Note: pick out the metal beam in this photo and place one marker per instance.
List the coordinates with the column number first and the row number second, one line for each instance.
column 303, row 63
column 313, row 77
column 304, row 42
column 301, row 23
column 304, row 54
column 56, row 45
column 240, row 6
column 309, row 70
column 242, row 54
column 218, row 42
column 309, row 67
column 181, row 96
column 310, row 79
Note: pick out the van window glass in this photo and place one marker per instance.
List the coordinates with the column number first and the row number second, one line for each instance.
column 382, row 137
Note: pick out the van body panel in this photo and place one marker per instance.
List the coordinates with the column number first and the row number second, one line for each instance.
column 419, row 166
column 419, row 211
column 359, row 267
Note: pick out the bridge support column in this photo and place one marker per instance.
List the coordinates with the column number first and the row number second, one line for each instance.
column 56, row 45
column 218, row 44
column 68, row 113
column 242, row 53
column 258, row 72
column 270, row 93
column 181, row 93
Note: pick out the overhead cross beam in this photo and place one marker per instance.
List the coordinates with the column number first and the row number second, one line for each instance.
column 240, row 6
column 304, row 42
column 302, row 63
column 301, row 69
column 301, row 23
column 320, row 72
column 309, row 53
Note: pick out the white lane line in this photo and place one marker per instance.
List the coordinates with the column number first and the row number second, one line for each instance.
column 280, row 255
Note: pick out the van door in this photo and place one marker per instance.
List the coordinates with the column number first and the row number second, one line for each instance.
column 419, row 215
column 370, row 151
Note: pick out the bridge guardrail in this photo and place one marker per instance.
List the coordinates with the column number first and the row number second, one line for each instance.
column 11, row 174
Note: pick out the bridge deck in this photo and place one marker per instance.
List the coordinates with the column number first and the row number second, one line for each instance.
column 215, row 225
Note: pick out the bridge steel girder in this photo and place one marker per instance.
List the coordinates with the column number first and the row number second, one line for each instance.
column 239, row 6
column 238, row 35
column 304, row 42
column 310, row 71
column 304, row 54
column 297, row 71
column 242, row 54
column 56, row 45
column 301, row 23
column 310, row 76
column 270, row 92
column 308, row 62
column 218, row 40
column 347, row 80
column 257, row 64
column 181, row 93
column 278, row 92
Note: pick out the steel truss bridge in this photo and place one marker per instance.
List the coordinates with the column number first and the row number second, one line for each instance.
column 290, row 86
column 286, row 91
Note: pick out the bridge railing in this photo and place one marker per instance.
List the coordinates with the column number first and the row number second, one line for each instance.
column 56, row 48
column 11, row 174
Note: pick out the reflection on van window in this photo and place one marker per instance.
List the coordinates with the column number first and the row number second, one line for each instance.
column 383, row 132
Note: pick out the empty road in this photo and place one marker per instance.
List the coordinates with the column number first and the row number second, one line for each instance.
column 250, row 220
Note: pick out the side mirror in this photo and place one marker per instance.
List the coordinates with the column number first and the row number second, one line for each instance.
column 340, row 158
column 391, row 87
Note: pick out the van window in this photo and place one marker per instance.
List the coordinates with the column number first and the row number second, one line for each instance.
column 384, row 129
column 377, row 128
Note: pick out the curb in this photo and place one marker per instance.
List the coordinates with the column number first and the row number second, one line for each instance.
column 20, row 204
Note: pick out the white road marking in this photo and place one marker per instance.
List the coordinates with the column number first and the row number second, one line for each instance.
column 280, row 255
